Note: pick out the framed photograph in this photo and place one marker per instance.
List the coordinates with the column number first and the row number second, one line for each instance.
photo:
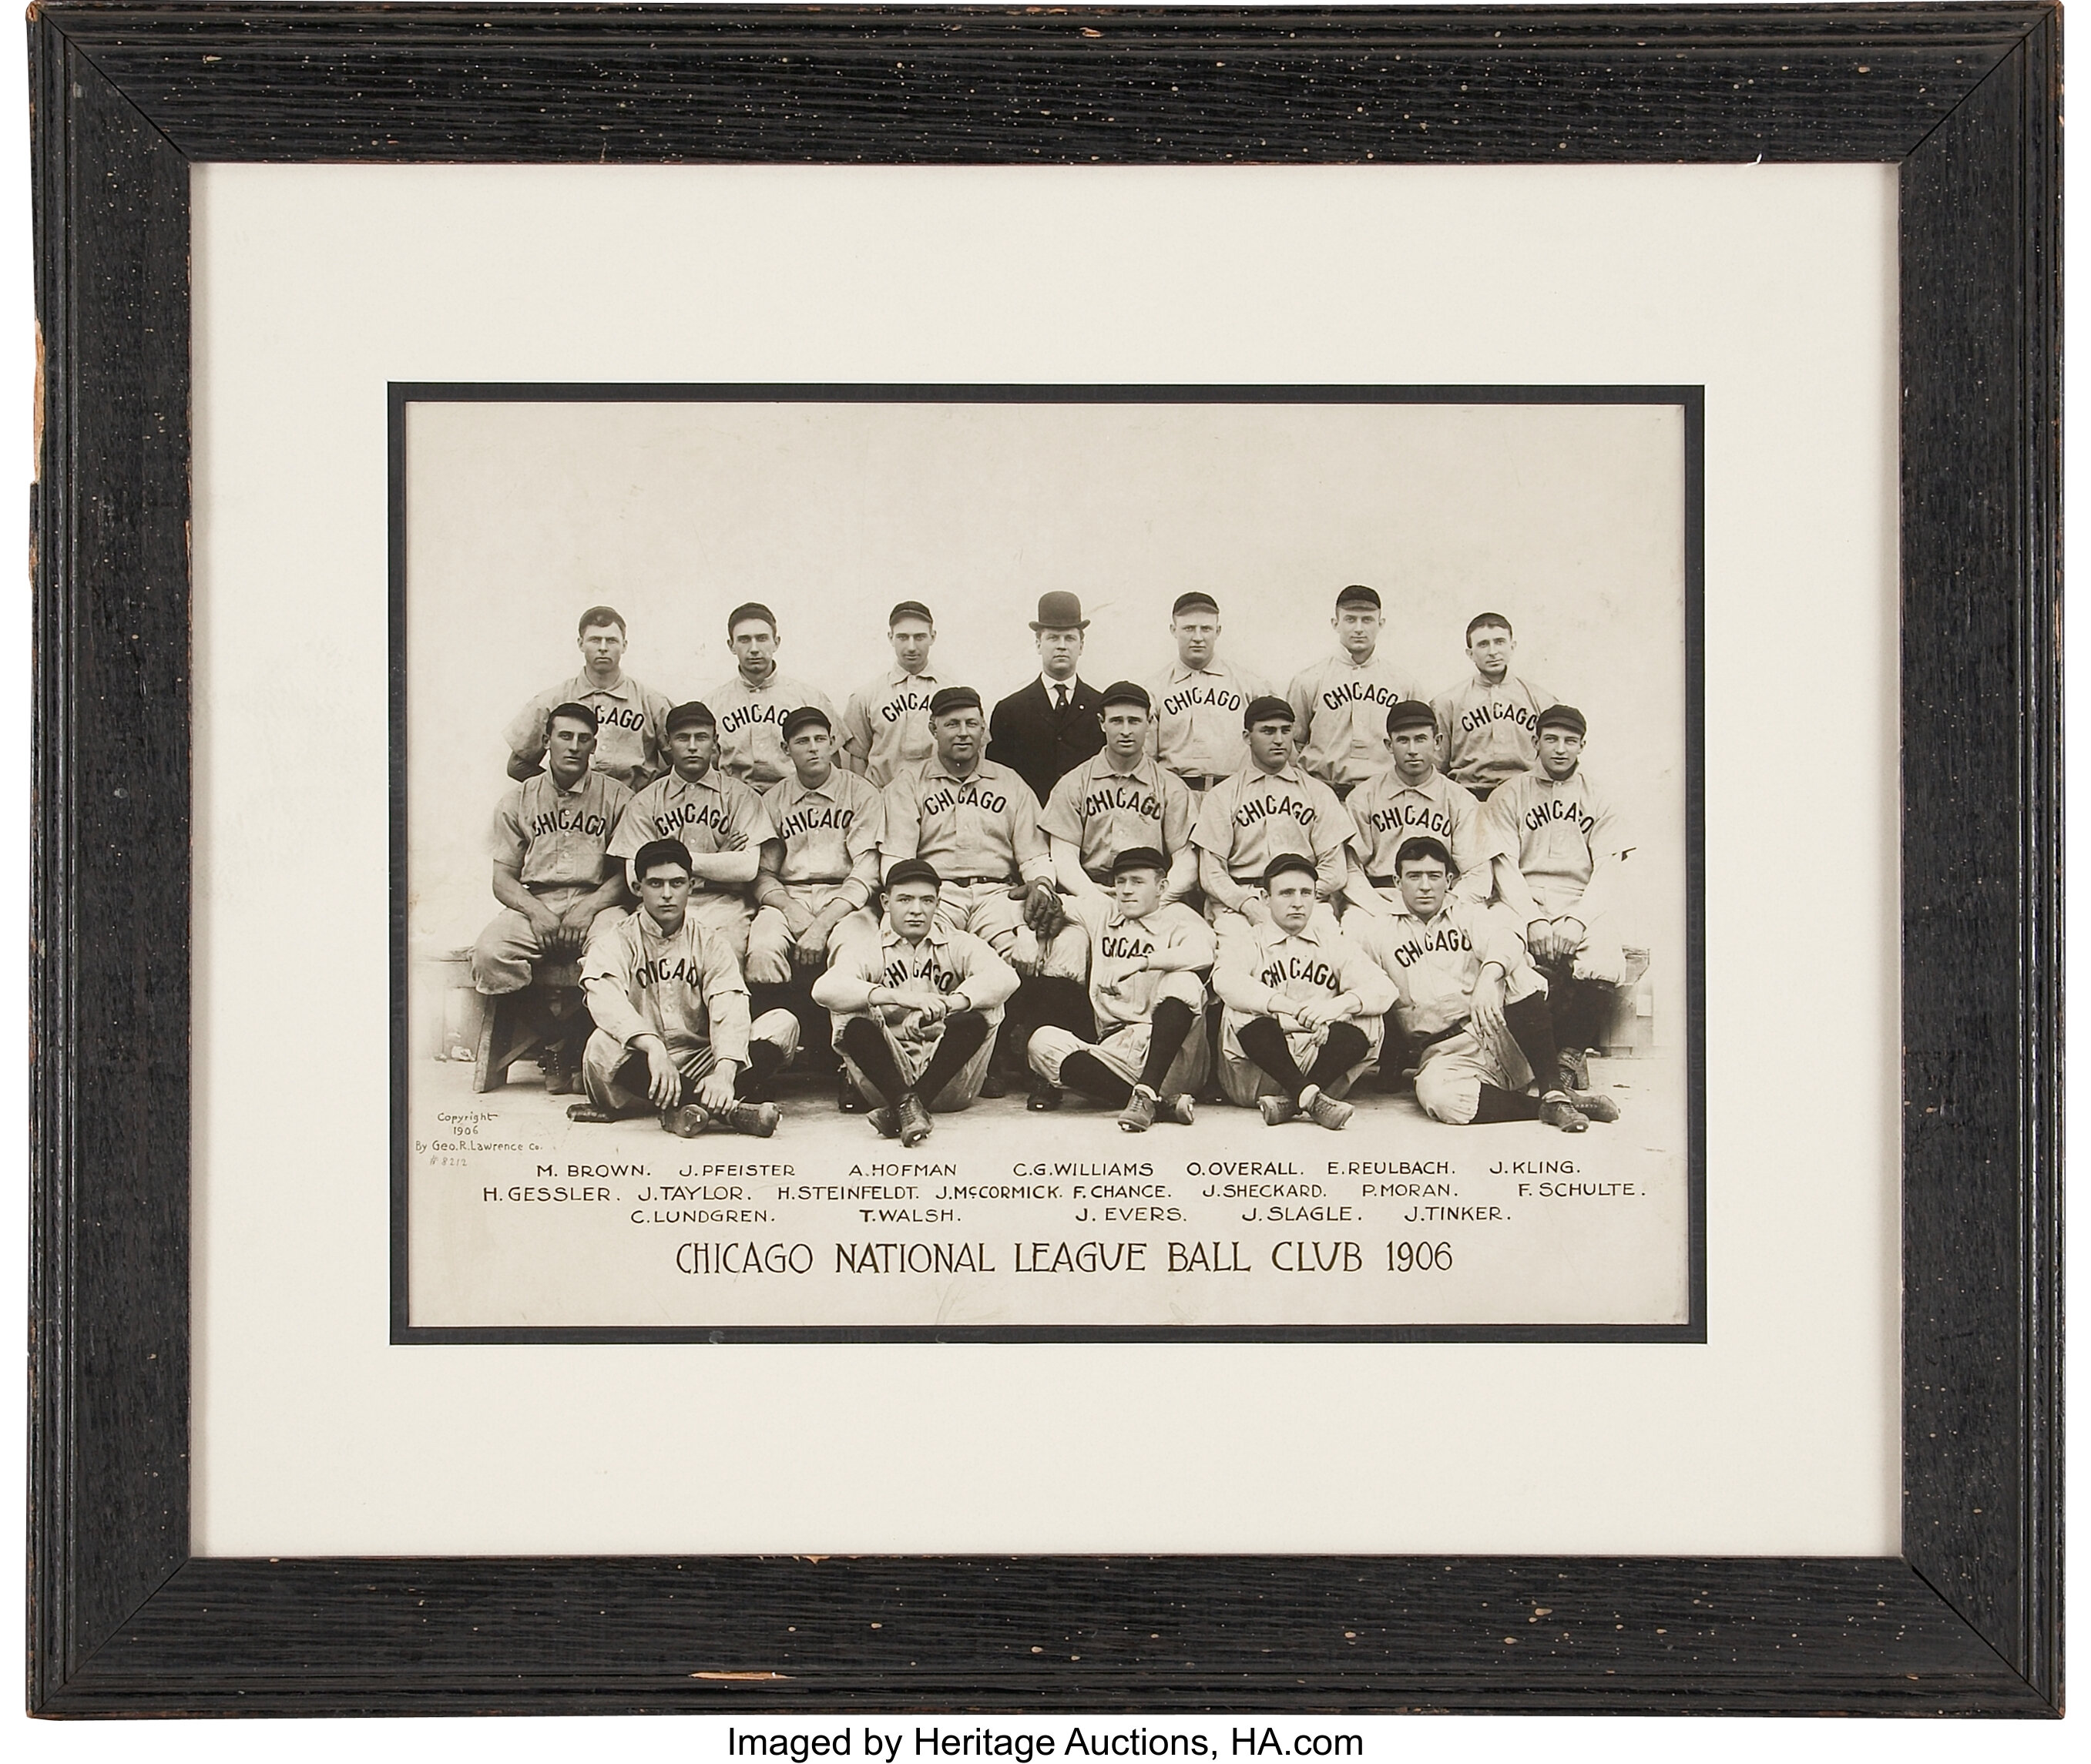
column 651, row 779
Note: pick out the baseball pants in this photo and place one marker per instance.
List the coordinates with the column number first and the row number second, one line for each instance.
column 1122, row 1048
column 1243, row 1081
column 616, row 1075
column 505, row 958
column 772, row 951
column 911, row 1057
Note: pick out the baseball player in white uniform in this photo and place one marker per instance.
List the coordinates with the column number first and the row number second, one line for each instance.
column 1133, row 1046
column 885, row 724
column 751, row 702
column 1488, row 724
column 1341, row 704
column 552, row 872
column 1570, row 845
column 976, row 823
column 718, row 819
column 820, row 863
column 630, row 735
column 1268, row 809
column 1198, row 703
column 1471, row 1002
column 672, row 1034
column 916, row 1008
column 1413, row 798
column 1120, row 798
column 1303, row 1006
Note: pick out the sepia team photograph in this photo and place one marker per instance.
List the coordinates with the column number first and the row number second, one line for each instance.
column 1046, row 864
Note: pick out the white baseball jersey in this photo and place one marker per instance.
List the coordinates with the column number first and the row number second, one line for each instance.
column 631, row 741
column 948, row 960
column 556, row 837
column 1268, row 966
column 1197, row 730
column 1121, row 990
column 1433, row 963
column 830, row 832
column 697, row 814
column 1487, row 733
column 1558, row 833
column 1386, row 813
column 1248, row 820
column 985, row 824
column 685, row 987
column 1339, row 708
column 1106, row 811
column 751, row 724
column 886, row 722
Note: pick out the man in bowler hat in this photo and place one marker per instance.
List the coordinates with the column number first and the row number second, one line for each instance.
column 1044, row 731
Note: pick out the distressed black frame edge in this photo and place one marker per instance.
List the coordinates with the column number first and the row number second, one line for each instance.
column 123, row 1620
column 1690, row 402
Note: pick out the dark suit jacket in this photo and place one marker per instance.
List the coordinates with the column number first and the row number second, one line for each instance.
column 1040, row 744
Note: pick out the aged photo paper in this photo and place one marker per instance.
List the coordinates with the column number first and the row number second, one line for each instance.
column 1083, row 670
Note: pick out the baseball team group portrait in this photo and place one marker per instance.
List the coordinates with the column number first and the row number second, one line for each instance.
column 1005, row 785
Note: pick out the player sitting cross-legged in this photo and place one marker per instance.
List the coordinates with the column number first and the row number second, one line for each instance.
column 915, row 1007
column 1303, row 1006
column 672, row 1035
column 1469, row 999
column 1129, row 1044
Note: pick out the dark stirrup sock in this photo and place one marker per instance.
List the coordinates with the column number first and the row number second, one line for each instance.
column 1085, row 1072
column 964, row 1033
column 1505, row 1105
column 1531, row 1026
column 1344, row 1048
column 1173, row 1021
column 764, row 1057
column 864, row 1042
column 1264, row 1042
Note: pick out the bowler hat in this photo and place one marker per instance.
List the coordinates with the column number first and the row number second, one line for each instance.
column 1059, row 611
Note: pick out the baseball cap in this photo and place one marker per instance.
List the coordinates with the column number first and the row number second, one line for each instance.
column 1265, row 709
column 909, row 610
column 806, row 716
column 694, row 713
column 1186, row 603
column 1286, row 860
column 1125, row 692
column 1139, row 858
column 913, row 870
column 1563, row 716
column 1357, row 594
column 953, row 698
column 1408, row 713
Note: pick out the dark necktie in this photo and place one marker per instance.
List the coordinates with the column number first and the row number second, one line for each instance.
column 1059, row 698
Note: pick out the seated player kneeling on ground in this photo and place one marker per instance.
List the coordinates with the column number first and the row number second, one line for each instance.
column 916, row 1008
column 1471, row 1002
column 672, row 1035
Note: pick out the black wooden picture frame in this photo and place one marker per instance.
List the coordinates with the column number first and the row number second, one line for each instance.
column 1965, row 99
